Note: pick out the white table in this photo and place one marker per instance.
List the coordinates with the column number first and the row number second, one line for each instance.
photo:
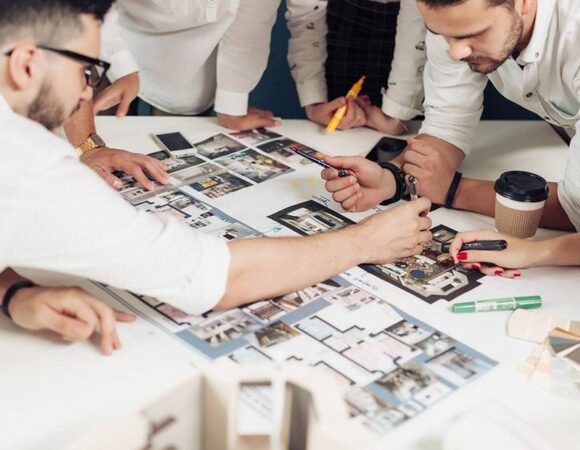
column 51, row 393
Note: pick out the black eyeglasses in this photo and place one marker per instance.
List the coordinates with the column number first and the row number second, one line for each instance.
column 94, row 73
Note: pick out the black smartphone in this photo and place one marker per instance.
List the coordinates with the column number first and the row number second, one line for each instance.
column 386, row 149
column 175, row 143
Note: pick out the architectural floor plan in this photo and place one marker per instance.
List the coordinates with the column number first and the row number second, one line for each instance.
column 389, row 365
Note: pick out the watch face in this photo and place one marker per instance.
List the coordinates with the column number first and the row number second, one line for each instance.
column 97, row 140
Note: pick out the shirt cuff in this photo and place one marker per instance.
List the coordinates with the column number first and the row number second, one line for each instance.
column 231, row 103
column 207, row 284
column 312, row 91
column 570, row 206
column 122, row 63
column 458, row 131
column 393, row 109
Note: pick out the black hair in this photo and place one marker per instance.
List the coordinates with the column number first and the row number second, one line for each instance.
column 47, row 21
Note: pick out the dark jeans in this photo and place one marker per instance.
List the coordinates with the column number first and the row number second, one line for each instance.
column 360, row 41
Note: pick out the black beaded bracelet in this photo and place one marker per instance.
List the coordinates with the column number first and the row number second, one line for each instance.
column 9, row 295
column 401, row 186
column 450, row 198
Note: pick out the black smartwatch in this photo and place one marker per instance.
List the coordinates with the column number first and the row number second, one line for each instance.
column 400, row 184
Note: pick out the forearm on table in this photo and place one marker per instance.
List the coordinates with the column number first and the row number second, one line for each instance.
column 479, row 196
column 475, row 195
column 268, row 267
column 81, row 124
column 554, row 215
column 560, row 251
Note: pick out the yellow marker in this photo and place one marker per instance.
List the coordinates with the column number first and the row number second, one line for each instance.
column 340, row 112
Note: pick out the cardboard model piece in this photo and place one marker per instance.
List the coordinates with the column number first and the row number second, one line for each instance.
column 210, row 411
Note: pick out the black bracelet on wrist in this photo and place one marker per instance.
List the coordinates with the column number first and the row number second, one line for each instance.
column 9, row 295
column 400, row 184
column 450, row 198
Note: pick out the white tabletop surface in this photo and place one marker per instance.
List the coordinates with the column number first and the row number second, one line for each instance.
column 51, row 393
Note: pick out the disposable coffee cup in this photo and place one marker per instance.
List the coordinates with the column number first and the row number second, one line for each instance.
column 519, row 203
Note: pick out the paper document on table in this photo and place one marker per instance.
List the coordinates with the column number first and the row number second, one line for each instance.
column 390, row 365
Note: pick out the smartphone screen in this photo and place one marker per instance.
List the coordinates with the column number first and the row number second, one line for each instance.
column 174, row 143
column 386, row 149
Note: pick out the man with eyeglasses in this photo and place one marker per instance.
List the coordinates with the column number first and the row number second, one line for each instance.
column 57, row 215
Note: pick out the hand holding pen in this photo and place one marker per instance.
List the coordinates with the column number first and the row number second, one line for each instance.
column 516, row 253
column 366, row 186
column 299, row 150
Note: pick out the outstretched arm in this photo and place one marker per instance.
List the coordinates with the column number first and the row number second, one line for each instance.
column 268, row 267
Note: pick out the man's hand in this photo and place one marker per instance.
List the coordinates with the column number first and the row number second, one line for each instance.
column 255, row 118
column 122, row 92
column 68, row 311
column 367, row 186
column 396, row 233
column 377, row 119
column 518, row 254
column 105, row 161
column 321, row 113
column 433, row 171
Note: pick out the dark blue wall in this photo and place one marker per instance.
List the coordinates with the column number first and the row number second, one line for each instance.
column 276, row 90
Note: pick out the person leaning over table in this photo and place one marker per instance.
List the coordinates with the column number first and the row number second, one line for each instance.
column 332, row 44
column 529, row 50
column 58, row 215
column 181, row 57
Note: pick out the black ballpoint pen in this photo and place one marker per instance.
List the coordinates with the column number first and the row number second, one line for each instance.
column 341, row 172
column 475, row 245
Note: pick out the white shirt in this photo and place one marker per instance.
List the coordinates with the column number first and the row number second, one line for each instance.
column 56, row 214
column 307, row 54
column 548, row 84
column 191, row 53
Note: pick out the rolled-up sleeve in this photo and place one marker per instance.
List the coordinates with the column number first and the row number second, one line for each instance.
column 93, row 233
column 114, row 50
column 569, row 187
column 404, row 96
column 306, row 21
column 453, row 96
column 243, row 55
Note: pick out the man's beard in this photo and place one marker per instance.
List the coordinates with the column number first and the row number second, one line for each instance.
column 46, row 110
column 485, row 65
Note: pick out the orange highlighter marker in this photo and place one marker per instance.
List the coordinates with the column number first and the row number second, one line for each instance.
column 340, row 112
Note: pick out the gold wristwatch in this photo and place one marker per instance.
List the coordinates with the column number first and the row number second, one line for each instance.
column 90, row 143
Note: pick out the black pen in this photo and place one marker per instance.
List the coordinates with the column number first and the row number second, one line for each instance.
column 475, row 245
column 314, row 159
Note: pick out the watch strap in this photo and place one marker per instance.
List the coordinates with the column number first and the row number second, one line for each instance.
column 92, row 142
column 452, row 191
column 400, row 184
column 11, row 292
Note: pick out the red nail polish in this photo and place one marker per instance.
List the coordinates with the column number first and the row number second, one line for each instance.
column 498, row 271
column 476, row 266
column 462, row 256
column 517, row 274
